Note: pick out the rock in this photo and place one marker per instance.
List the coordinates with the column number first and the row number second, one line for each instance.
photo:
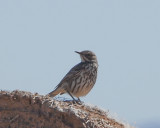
column 20, row 109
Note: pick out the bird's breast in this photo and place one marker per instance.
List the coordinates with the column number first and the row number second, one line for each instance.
column 85, row 82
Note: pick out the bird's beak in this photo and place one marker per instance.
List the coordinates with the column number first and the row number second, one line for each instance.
column 78, row 52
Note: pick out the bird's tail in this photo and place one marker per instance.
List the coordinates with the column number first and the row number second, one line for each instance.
column 55, row 92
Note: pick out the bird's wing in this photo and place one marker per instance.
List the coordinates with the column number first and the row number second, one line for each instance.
column 74, row 72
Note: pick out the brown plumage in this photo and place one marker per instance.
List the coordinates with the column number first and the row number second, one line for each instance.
column 80, row 79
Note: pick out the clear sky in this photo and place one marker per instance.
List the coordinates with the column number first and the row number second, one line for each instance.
column 38, row 39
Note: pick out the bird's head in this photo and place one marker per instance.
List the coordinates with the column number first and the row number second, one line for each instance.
column 87, row 56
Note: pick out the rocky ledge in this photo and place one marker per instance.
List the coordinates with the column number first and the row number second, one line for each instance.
column 20, row 109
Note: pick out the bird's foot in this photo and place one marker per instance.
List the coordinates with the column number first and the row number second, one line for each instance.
column 77, row 102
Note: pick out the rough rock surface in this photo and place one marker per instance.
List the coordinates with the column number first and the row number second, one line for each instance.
column 19, row 109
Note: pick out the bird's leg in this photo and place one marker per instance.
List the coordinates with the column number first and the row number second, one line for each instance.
column 74, row 100
column 79, row 100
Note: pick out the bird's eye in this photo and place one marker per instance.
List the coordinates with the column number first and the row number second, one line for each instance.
column 88, row 55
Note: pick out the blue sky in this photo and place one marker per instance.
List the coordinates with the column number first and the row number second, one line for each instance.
column 38, row 39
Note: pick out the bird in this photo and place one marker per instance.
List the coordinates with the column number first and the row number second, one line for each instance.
column 80, row 79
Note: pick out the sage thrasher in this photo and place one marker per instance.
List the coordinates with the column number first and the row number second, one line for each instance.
column 80, row 79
